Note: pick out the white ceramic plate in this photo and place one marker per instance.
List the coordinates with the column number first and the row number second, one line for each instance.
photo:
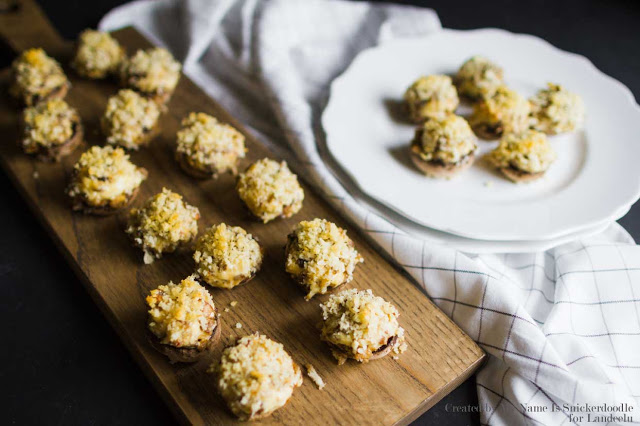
column 595, row 177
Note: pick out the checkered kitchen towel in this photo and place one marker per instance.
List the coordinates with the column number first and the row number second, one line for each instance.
column 562, row 327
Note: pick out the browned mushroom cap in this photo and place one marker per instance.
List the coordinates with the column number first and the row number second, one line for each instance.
column 78, row 203
column 187, row 354
column 439, row 169
column 517, row 175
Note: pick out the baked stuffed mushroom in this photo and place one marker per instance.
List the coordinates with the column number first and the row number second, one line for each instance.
column 98, row 55
column 478, row 78
column 51, row 130
column 358, row 325
column 206, row 147
column 37, row 77
column 227, row 256
column 183, row 320
column 320, row 256
column 431, row 96
column 130, row 120
column 104, row 180
column 504, row 111
column 153, row 73
column 443, row 147
column 270, row 190
column 256, row 376
column 163, row 224
column 523, row 157
column 556, row 110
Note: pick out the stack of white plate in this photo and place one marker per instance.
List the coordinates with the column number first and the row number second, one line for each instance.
column 594, row 181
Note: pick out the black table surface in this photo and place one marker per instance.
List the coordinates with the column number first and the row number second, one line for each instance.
column 63, row 364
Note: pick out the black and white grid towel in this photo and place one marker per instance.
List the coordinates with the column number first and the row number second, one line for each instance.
column 561, row 327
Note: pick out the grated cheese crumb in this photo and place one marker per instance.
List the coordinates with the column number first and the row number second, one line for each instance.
column 238, row 325
column 36, row 175
column 233, row 303
column 314, row 376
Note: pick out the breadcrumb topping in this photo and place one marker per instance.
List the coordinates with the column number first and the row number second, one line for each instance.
column 431, row 96
column 556, row 110
column 314, row 376
column 227, row 256
column 505, row 111
column 256, row 376
column 320, row 255
column 529, row 151
column 164, row 223
column 129, row 119
column 98, row 54
column 478, row 78
column 47, row 124
column 105, row 176
column 182, row 315
column 358, row 324
column 448, row 139
column 208, row 145
column 152, row 71
column 36, row 75
column 270, row 190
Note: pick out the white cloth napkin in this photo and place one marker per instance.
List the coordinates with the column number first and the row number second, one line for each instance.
column 560, row 327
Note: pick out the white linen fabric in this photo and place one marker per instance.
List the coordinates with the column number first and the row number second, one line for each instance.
column 560, row 327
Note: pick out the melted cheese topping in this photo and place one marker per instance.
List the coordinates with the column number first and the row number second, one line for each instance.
column 478, row 77
column 36, row 75
column 182, row 315
column 505, row 109
column 320, row 256
column 105, row 176
column 447, row 139
column 256, row 376
column 129, row 118
column 98, row 54
column 208, row 145
column 556, row 110
column 528, row 152
column 431, row 96
column 359, row 323
column 152, row 71
column 226, row 256
column 48, row 124
column 163, row 224
column 270, row 190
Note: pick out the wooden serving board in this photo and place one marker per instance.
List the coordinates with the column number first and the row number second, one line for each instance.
column 387, row 391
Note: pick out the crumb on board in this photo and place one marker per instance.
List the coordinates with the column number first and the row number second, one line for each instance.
column 314, row 376
column 226, row 309
column 238, row 325
column 36, row 175
column 233, row 303
column 148, row 258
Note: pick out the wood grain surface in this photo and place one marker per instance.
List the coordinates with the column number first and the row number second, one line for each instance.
column 440, row 356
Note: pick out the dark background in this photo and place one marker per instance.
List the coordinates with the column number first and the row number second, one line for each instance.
column 61, row 361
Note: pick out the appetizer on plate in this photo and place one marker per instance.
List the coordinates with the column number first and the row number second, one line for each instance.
column 478, row 78
column 104, row 180
column 523, row 157
column 163, row 224
column 183, row 320
column 98, row 55
column 431, row 96
column 130, row 120
column 504, row 111
column 206, row 147
column 51, row 130
column 152, row 72
column 270, row 190
column 227, row 256
column 443, row 147
column 556, row 110
column 358, row 325
column 256, row 376
column 320, row 256
column 37, row 77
